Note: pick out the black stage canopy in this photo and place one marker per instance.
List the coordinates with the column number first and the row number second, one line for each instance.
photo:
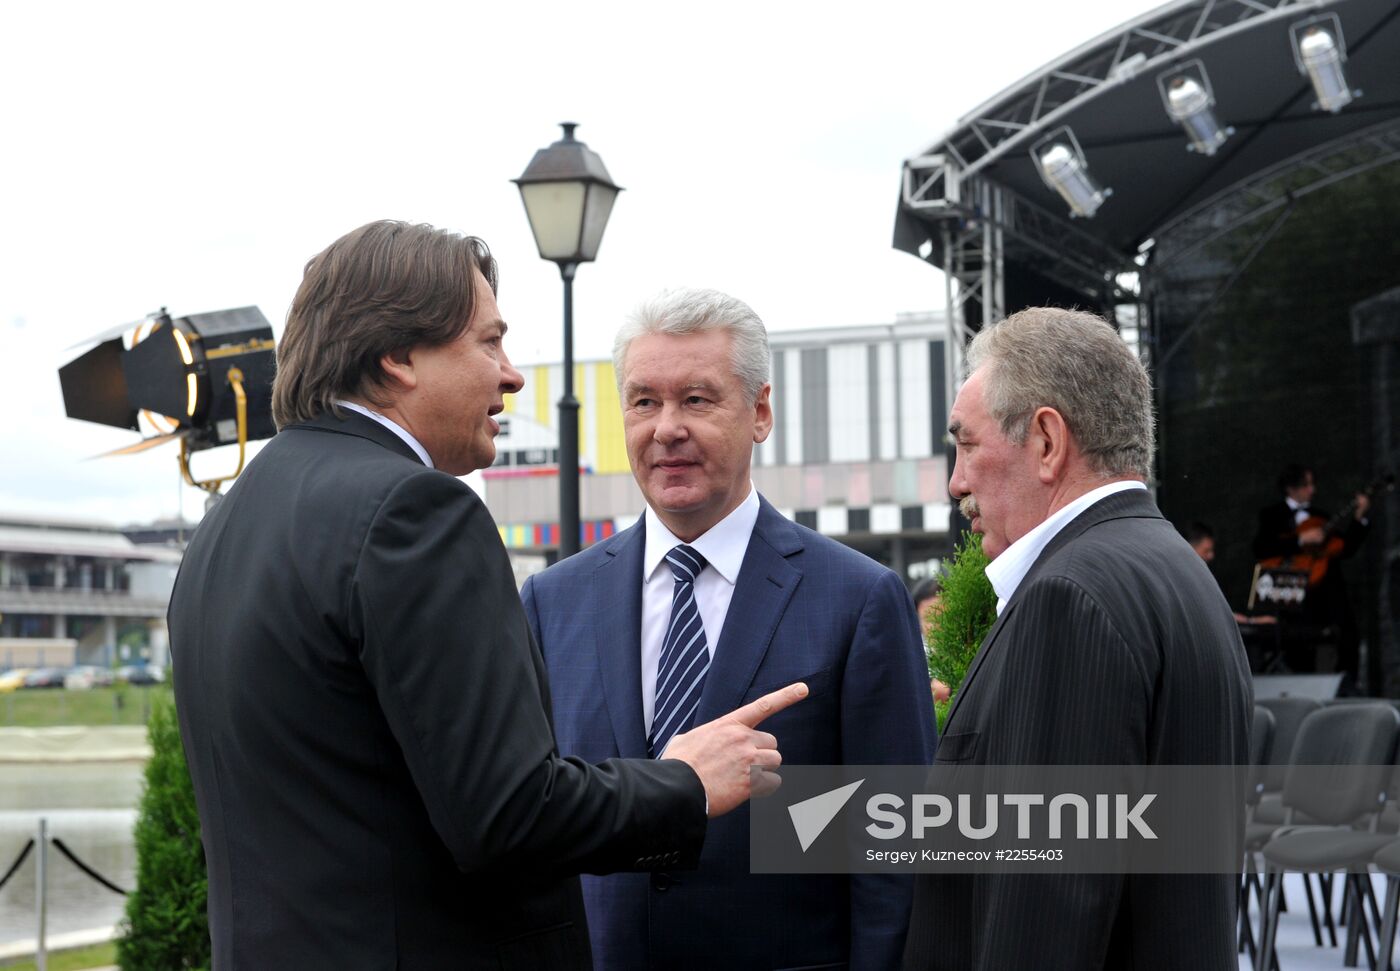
column 1107, row 94
column 1259, row 281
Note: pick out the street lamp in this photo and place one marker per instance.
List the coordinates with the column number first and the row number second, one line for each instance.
column 568, row 197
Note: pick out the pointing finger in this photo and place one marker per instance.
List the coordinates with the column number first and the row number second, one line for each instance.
column 767, row 706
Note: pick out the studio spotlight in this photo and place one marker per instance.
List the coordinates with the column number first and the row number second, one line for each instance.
column 1320, row 50
column 1060, row 162
column 1188, row 98
column 204, row 380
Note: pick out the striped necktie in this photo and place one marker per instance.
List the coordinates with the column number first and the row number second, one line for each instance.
column 680, row 673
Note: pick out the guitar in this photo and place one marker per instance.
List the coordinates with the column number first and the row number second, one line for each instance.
column 1315, row 558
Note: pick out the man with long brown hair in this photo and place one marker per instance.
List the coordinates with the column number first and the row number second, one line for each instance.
column 364, row 713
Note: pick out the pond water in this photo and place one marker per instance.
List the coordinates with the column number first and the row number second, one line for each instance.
column 91, row 807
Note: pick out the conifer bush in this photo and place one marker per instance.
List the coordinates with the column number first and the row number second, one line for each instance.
column 966, row 610
column 166, row 926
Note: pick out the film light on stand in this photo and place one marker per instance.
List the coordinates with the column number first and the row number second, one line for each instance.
column 1190, row 102
column 202, row 381
column 1320, row 51
column 1061, row 164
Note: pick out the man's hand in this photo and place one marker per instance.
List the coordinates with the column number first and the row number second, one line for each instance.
column 1312, row 537
column 1363, row 506
column 722, row 751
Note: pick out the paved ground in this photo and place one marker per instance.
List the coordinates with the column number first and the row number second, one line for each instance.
column 59, row 942
column 1296, row 948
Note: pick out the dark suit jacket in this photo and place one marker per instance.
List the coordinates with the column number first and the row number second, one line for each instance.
column 1277, row 534
column 1116, row 649
column 805, row 608
column 366, row 721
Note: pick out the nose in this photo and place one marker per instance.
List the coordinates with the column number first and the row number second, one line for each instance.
column 957, row 483
column 670, row 425
column 511, row 379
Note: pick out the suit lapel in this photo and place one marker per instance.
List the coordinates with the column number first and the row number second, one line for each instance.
column 617, row 631
column 762, row 591
column 982, row 653
column 1131, row 503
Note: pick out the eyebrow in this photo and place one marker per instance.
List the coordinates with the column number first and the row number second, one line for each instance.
column 631, row 388
column 954, row 428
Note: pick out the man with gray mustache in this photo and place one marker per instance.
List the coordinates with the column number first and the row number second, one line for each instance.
column 1112, row 646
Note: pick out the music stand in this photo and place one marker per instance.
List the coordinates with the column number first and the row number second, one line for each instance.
column 1282, row 594
column 1277, row 593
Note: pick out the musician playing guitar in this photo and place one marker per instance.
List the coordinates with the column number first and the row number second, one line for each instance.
column 1293, row 533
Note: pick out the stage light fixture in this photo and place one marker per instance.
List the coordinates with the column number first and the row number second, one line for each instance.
column 204, row 380
column 1189, row 98
column 1320, row 50
column 1061, row 164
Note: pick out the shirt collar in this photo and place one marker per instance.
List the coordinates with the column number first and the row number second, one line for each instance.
column 723, row 545
column 393, row 426
column 1293, row 504
column 1008, row 570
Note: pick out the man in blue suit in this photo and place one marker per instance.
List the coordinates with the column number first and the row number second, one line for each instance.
column 713, row 598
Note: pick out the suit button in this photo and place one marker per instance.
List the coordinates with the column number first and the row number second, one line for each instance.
column 661, row 882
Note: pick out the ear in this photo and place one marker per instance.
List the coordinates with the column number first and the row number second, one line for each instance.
column 399, row 373
column 1051, row 444
column 763, row 414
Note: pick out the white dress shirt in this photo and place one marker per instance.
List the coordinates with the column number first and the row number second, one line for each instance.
column 723, row 546
column 394, row 427
column 1008, row 570
column 1300, row 511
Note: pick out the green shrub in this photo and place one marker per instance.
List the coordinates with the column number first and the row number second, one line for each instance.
column 166, row 925
column 966, row 610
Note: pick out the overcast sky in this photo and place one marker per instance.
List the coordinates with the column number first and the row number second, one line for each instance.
column 195, row 156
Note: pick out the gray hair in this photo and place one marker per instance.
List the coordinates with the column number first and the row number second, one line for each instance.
column 1076, row 363
column 692, row 311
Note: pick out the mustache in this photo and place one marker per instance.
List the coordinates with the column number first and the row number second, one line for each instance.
column 968, row 507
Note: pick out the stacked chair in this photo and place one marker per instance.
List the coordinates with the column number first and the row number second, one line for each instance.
column 1261, row 744
column 1339, row 774
column 1387, row 860
column 1284, row 717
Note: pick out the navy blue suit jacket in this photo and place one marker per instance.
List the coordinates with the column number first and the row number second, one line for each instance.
column 805, row 608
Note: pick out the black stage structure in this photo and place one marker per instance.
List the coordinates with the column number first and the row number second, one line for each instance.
column 1259, row 279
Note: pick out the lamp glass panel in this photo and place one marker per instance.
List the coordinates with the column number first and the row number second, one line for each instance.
column 595, row 218
column 556, row 216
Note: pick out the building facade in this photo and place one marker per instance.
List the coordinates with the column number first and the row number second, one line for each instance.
column 856, row 452
column 81, row 593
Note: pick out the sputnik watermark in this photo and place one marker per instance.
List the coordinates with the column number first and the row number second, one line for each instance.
column 1173, row 819
column 886, row 809
column 1111, row 815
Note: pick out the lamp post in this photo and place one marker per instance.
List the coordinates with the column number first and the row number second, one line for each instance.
column 568, row 197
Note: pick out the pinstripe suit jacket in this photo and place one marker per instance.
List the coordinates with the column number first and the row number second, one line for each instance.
column 1116, row 649
column 805, row 608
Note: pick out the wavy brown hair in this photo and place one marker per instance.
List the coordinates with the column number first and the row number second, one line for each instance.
column 382, row 288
